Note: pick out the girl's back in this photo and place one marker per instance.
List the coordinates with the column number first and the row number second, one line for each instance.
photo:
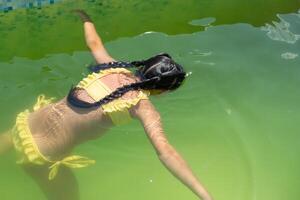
column 58, row 127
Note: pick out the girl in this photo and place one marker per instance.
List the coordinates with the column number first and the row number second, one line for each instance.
column 110, row 95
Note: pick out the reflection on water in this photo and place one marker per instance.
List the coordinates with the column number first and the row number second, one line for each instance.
column 53, row 29
column 289, row 55
column 203, row 22
column 280, row 31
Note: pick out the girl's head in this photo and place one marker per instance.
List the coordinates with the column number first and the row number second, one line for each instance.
column 159, row 73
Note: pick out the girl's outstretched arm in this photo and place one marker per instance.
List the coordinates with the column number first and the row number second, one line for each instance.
column 167, row 154
column 93, row 40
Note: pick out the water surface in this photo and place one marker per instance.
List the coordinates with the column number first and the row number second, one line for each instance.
column 235, row 120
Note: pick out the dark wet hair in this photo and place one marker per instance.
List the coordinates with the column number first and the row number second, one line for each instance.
column 159, row 72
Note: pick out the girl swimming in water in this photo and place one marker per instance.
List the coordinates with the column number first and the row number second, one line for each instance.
column 110, row 95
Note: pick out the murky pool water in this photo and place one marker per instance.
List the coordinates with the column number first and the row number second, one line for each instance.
column 235, row 120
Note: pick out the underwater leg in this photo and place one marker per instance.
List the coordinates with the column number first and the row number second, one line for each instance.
column 63, row 187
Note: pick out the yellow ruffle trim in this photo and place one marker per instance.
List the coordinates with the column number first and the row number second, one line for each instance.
column 28, row 151
column 121, row 104
column 118, row 108
column 23, row 141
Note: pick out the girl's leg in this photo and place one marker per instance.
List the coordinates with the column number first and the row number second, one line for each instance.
column 6, row 143
column 63, row 187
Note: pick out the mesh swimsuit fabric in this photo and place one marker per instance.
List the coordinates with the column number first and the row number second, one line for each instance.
column 51, row 120
column 42, row 137
column 28, row 150
column 58, row 128
column 50, row 128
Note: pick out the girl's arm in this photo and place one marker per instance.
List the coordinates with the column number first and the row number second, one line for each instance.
column 93, row 40
column 167, row 154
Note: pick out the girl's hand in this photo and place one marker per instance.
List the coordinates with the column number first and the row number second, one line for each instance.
column 92, row 38
column 83, row 15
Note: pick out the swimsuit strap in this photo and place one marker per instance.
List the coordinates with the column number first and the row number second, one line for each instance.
column 72, row 162
column 87, row 81
column 118, row 108
column 104, row 66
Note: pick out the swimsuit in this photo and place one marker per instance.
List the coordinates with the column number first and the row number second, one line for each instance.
column 28, row 151
column 117, row 110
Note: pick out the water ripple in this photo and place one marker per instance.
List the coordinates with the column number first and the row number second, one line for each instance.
column 279, row 31
column 289, row 55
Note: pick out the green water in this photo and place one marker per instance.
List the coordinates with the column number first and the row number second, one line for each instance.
column 236, row 119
